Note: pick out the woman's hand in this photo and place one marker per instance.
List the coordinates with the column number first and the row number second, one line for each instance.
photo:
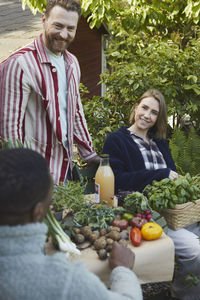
column 173, row 175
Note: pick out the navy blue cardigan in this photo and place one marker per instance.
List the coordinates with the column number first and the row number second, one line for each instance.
column 127, row 162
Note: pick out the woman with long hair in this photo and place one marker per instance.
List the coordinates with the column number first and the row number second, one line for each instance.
column 140, row 154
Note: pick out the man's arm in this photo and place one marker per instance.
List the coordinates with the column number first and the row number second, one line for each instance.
column 124, row 283
column 81, row 134
column 14, row 95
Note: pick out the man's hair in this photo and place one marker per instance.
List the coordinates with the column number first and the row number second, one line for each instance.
column 70, row 5
column 160, row 127
column 24, row 180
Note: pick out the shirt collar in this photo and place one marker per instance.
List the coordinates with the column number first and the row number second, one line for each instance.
column 139, row 137
column 43, row 55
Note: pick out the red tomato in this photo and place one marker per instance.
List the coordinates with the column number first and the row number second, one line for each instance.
column 122, row 224
column 136, row 236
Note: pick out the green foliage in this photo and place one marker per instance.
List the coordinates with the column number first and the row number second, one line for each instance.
column 96, row 217
column 8, row 144
column 69, row 196
column 153, row 44
column 136, row 203
column 34, row 5
column 138, row 64
column 186, row 151
column 102, row 118
column 191, row 280
column 167, row 193
column 101, row 11
column 142, row 15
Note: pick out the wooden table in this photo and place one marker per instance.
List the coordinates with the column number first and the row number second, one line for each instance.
column 154, row 260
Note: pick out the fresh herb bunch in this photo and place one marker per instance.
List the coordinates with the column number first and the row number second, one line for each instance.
column 95, row 216
column 167, row 193
column 136, row 203
column 69, row 196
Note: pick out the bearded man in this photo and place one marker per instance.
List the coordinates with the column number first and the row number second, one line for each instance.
column 39, row 97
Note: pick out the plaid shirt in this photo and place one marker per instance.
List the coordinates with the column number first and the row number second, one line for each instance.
column 153, row 158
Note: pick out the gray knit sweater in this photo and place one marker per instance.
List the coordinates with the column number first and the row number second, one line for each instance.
column 26, row 273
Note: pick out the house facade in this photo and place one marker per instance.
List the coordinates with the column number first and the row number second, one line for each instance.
column 88, row 47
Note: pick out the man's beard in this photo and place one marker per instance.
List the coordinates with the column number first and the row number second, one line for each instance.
column 51, row 44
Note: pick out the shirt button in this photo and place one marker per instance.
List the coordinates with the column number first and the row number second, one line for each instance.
column 65, row 159
column 59, row 143
column 58, row 118
column 54, row 70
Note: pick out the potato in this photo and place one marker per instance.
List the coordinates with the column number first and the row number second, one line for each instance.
column 123, row 242
column 86, row 231
column 100, row 243
column 102, row 253
column 79, row 238
column 124, row 235
column 76, row 230
column 112, row 228
column 103, row 231
column 114, row 235
column 109, row 241
column 109, row 247
column 94, row 236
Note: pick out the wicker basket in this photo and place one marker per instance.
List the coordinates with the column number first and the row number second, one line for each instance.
column 183, row 215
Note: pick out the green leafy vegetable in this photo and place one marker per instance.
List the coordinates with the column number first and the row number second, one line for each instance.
column 136, row 203
column 167, row 193
column 95, row 216
column 70, row 196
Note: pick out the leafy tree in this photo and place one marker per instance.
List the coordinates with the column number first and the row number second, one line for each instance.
column 162, row 65
column 150, row 15
column 154, row 43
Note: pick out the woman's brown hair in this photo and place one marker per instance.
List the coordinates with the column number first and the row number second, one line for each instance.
column 160, row 127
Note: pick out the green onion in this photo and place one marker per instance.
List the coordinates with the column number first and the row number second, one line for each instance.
column 62, row 240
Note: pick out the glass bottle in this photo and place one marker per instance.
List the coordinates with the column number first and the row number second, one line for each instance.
column 104, row 182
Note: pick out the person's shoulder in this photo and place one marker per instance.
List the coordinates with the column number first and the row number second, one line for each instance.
column 162, row 144
column 71, row 58
column 161, row 141
column 118, row 135
column 19, row 54
column 120, row 132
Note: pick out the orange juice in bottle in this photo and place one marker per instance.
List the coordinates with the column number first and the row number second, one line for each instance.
column 104, row 182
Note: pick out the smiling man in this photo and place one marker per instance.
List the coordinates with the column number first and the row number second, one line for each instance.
column 39, row 96
column 59, row 28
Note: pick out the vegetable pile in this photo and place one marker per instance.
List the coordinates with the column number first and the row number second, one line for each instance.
column 70, row 196
column 167, row 193
column 97, row 226
column 95, row 216
column 100, row 240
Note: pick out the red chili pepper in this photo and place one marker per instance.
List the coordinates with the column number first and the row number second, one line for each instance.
column 136, row 236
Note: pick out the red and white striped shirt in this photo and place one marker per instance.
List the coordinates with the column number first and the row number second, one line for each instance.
column 29, row 107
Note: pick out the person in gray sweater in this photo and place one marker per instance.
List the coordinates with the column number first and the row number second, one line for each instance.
column 26, row 273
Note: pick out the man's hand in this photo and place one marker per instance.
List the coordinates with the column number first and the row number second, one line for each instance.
column 121, row 256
